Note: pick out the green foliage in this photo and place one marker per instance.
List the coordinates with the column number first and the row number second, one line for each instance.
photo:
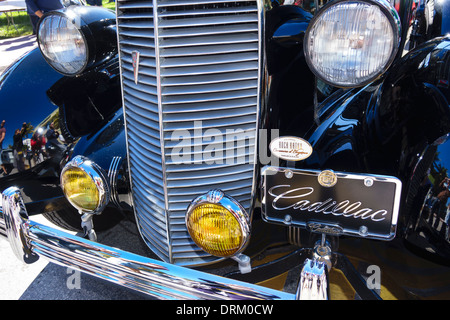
column 21, row 21
column 23, row 24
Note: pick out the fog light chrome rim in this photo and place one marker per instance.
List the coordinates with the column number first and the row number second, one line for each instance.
column 98, row 178
column 218, row 224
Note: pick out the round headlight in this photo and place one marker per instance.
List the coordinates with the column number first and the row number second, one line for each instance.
column 84, row 185
column 218, row 224
column 62, row 44
column 350, row 43
column 77, row 38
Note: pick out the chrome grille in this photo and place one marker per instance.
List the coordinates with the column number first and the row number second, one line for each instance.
column 199, row 65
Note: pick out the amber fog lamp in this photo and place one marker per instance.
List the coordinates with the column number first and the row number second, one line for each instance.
column 77, row 38
column 85, row 186
column 218, row 224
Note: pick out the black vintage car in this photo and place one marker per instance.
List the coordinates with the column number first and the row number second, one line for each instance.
column 247, row 140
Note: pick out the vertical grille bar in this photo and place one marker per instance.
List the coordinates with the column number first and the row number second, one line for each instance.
column 198, row 84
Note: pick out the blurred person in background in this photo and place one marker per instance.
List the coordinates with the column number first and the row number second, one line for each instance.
column 37, row 8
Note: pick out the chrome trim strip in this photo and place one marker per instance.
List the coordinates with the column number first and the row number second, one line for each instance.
column 123, row 99
column 15, row 218
column 2, row 224
column 113, row 171
column 313, row 284
column 148, row 276
column 161, row 127
column 259, row 108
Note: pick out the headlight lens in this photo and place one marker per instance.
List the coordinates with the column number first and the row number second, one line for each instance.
column 350, row 43
column 62, row 44
column 218, row 224
column 85, row 185
column 80, row 189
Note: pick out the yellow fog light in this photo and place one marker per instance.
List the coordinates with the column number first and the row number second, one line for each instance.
column 79, row 189
column 218, row 224
column 85, row 185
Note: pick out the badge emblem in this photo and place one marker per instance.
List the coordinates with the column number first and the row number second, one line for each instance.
column 290, row 148
column 318, row 227
column 327, row 178
column 135, row 59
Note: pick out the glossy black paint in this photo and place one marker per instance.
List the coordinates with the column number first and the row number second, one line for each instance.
column 426, row 221
column 290, row 83
column 431, row 20
column 388, row 127
column 427, row 227
column 24, row 99
column 81, row 109
column 87, row 101
column 383, row 128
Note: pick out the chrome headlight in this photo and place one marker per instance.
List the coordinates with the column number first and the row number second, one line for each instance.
column 77, row 38
column 62, row 44
column 350, row 43
column 85, row 185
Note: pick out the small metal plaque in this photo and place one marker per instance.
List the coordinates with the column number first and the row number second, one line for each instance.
column 353, row 204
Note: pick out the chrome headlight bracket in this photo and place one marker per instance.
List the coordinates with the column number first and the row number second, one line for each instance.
column 96, row 174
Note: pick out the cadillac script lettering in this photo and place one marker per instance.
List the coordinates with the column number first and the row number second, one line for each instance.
column 297, row 199
column 322, row 228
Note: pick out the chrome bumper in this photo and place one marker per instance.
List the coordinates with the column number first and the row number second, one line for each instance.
column 30, row 240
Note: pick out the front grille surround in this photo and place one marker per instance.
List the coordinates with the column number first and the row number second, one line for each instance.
column 199, row 67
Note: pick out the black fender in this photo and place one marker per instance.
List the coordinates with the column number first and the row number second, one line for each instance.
column 84, row 109
column 92, row 118
column 382, row 127
column 396, row 126
column 87, row 102
column 23, row 92
column 409, row 113
column 107, row 148
column 431, row 20
column 427, row 225
column 23, row 99
column 288, row 100
column 425, row 163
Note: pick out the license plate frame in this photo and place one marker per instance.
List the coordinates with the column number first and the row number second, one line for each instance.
column 361, row 205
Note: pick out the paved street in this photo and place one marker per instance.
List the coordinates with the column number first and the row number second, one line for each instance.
column 11, row 49
column 48, row 281
column 15, row 277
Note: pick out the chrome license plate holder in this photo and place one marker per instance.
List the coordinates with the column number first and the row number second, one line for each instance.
column 361, row 205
